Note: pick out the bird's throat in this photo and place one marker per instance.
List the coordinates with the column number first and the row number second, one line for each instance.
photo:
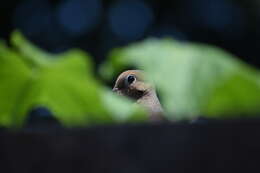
column 151, row 102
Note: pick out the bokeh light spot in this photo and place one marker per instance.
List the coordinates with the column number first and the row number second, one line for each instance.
column 32, row 17
column 79, row 16
column 130, row 19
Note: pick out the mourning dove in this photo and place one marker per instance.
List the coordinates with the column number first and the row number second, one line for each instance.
column 131, row 83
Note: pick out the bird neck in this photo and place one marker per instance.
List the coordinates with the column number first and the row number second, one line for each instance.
column 151, row 102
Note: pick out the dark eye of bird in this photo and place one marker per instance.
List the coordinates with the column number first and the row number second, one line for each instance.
column 130, row 79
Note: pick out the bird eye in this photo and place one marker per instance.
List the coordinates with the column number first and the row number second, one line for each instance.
column 130, row 79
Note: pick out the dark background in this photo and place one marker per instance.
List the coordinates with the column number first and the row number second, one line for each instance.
column 97, row 26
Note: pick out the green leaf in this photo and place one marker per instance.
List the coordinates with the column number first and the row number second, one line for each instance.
column 123, row 109
column 15, row 77
column 193, row 79
column 64, row 83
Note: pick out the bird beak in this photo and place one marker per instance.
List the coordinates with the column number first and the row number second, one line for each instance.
column 115, row 90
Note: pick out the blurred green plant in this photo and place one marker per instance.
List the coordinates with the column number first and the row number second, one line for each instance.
column 193, row 79
column 64, row 83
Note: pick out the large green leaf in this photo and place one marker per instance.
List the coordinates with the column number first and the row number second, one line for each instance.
column 193, row 79
column 63, row 83
column 15, row 77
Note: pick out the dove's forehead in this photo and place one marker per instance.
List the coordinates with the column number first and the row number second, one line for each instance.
column 121, row 78
column 137, row 73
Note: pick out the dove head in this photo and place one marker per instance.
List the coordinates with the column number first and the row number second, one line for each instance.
column 131, row 83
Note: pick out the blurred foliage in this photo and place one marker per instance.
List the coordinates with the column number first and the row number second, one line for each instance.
column 193, row 79
column 64, row 83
